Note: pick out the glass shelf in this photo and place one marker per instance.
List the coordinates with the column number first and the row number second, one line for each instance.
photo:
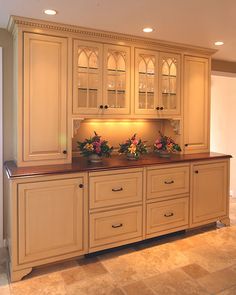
column 168, row 93
column 92, row 89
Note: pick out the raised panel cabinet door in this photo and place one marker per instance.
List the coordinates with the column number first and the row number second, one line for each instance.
column 45, row 125
column 50, row 219
column 209, row 192
column 196, row 104
column 87, row 77
column 169, row 82
column 146, row 82
column 116, row 82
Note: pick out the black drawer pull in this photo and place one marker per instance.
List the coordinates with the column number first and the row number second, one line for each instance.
column 117, row 189
column 169, row 182
column 169, row 214
column 196, row 171
column 81, row 185
column 117, row 225
column 64, row 152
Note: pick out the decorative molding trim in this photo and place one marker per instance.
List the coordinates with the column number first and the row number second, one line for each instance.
column 223, row 66
column 94, row 33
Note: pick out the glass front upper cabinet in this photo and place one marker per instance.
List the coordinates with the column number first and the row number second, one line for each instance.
column 116, row 86
column 87, row 89
column 169, row 83
column 146, row 82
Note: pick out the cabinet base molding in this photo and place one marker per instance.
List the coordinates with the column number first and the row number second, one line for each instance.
column 225, row 221
column 17, row 275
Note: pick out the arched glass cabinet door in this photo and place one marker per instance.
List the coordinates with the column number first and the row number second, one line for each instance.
column 116, row 86
column 87, row 82
column 146, row 82
column 169, row 91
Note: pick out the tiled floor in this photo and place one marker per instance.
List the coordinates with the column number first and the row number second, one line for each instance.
column 197, row 262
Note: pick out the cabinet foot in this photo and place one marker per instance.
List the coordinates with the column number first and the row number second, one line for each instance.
column 225, row 221
column 17, row 275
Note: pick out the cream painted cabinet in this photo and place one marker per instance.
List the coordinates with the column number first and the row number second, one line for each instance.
column 169, row 84
column 157, row 83
column 210, row 192
column 51, row 219
column 45, row 133
column 146, row 82
column 87, row 83
column 196, row 104
column 101, row 83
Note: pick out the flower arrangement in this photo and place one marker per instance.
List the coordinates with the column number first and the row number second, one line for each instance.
column 133, row 148
column 95, row 146
column 166, row 144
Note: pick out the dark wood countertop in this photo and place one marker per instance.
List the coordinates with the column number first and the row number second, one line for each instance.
column 115, row 162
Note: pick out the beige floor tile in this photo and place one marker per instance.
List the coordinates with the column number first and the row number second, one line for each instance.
column 99, row 285
column 230, row 291
column 92, row 266
column 219, row 280
column 175, row 282
column 130, row 268
column 195, row 271
column 5, row 290
column 138, row 288
column 43, row 285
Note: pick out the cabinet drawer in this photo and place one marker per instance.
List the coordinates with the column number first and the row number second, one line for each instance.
column 115, row 189
column 167, row 181
column 163, row 216
column 113, row 227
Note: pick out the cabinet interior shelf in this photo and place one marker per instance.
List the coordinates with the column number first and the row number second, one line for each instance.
column 90, row 89
column 171, row 76
column 146, row 73
column 168, row 93
column 89, row 68
column 148, row 92
column 116, row 90
column 114, row 70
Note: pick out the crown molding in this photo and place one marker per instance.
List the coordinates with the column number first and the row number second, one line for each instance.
column 18, row 21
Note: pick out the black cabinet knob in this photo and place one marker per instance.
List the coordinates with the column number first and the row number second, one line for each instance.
column 106, row 107
column 101, row 106
column 81, row 185
column 64, row 152
column 157, row 108
column 186, row 144
column 161, row 108
column 196, row 171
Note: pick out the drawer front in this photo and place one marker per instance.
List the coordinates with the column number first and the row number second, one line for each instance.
column 166, row 182
column 166, row 215
column 115, row 189
column 108, row 228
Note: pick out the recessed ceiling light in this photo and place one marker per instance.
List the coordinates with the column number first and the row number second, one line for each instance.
column 50, row 11
column 147, row 30
column 219, row 43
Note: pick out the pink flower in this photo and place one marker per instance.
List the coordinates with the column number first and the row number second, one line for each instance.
column 159, row 145
column 157, row 141
column 98, row 150
column 135, row 141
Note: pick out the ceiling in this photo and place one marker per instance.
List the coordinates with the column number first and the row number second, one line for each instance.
column 195, row 22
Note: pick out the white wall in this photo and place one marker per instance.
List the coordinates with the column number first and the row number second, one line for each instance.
column 223, row 119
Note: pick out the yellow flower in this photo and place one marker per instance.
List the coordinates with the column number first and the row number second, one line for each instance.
column 88, row 147
column 132, row 149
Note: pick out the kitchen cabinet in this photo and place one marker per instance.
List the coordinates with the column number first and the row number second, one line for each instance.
column 42, row 121
column 49, row 221
column 157, row 83
column 57, row 215
column 210, row 192
column 101, row 84
column 196, row 104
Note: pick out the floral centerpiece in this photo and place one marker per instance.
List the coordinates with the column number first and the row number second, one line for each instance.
column 133, row 148
column 165, row 145
column 95, row 148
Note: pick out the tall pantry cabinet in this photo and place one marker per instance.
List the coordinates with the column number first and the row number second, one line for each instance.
column 42, row 97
